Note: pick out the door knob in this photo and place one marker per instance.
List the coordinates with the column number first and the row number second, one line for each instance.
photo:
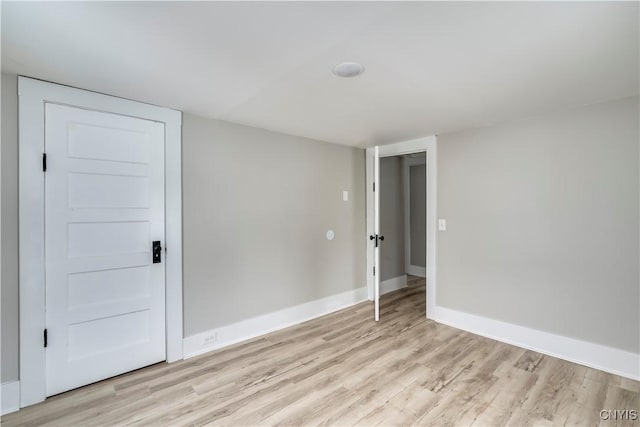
column 377, row 238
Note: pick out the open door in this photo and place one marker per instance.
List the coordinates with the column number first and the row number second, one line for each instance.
column 376, row 230
column 373, row 156
column 374, row 236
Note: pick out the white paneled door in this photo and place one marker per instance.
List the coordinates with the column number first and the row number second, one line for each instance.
column 376, row 231
column 104, row 208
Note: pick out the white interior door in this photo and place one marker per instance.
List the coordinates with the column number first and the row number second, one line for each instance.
column 376, row 231
column 104, row 206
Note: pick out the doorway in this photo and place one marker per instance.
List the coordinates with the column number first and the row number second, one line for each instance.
column 401, row 249
column 100, row 204
column 402, row 189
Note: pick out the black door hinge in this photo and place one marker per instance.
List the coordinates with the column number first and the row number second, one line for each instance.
column 374, row 187
column 46, row 338
column 44, row 162
column 374, row 270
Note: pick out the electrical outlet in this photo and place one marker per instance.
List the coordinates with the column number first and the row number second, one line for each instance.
column 210, row 338
column 442, row 224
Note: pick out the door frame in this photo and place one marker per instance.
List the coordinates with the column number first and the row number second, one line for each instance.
column 428, row 145
column 32, row 96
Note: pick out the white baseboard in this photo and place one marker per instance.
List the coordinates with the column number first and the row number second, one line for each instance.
column 393, row 284
column 597, row 356
column 415, row 270
column 10, row 397
column 250, row 328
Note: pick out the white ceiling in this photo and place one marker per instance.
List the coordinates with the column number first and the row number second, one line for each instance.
column 429, row 67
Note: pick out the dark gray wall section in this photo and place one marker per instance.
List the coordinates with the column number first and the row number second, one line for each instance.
column 9, row 223
column 391, row 218
column 543, row 223
column 418, row 214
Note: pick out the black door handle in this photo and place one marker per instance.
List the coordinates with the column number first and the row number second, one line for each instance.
column 157, row 252
column 377, row 238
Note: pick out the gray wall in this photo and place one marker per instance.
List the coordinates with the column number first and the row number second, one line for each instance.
column 418, row 214
column 391, row 218
column 257, row 206
column 543, row 223
column 9, row 224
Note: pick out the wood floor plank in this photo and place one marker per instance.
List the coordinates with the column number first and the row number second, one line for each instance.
column 416, row 400
column 387, row 415
column 344, row 369
column 505, row 397
column 529, row 361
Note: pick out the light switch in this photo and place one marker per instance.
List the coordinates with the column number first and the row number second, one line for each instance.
column 345, row 196
column 442, row 224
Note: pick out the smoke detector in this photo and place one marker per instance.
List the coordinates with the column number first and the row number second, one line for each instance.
column 348, row 69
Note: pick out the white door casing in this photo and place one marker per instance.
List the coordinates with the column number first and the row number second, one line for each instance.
column 33, row 96
column 104, row 205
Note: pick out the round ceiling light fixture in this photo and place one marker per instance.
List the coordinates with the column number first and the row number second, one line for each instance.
column 348, row 69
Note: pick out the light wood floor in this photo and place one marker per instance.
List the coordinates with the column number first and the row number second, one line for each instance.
column 344, row 369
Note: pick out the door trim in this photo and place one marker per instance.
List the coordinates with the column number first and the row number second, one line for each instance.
column 429, row 145
column 32, row 96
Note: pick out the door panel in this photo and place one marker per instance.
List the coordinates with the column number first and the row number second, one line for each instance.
column 104, row 205
column 107, row 238
column 376, row 230
column 128, row 330
column 108, row 286
column 97, row 142
column 108, row 191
